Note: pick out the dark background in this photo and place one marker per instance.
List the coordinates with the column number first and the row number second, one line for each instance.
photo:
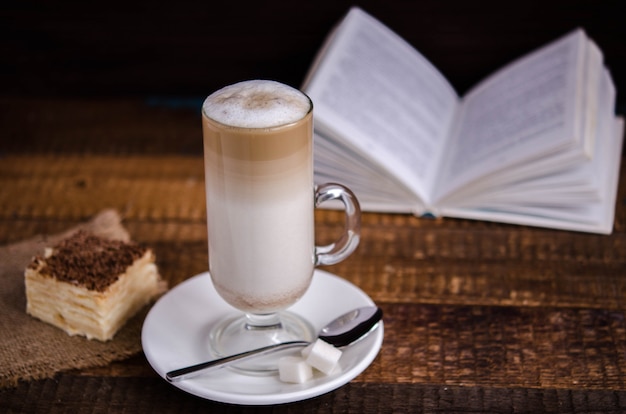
column 187, row 48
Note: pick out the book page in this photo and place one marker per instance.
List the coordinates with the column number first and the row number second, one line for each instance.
column 580, row 198
column 375, row 189
column 383, row 99
column 528, row 110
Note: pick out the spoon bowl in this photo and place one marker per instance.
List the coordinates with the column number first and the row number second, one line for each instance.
column 340, row 332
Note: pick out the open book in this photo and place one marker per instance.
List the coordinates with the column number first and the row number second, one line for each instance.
column 536, row 143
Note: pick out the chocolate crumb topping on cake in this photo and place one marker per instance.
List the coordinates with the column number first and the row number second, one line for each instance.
column 88, row 260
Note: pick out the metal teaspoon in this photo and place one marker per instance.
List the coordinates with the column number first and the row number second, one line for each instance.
column 342, row 331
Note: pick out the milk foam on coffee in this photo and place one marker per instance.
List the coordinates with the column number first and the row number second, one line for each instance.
column 257, row 104
column 259, row 191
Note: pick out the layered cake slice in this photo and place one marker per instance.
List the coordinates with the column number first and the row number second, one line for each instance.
column 90, row 286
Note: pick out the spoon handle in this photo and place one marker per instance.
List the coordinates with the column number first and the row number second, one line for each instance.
column 197, row 369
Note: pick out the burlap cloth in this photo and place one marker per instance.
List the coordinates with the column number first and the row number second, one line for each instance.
column 31, row 349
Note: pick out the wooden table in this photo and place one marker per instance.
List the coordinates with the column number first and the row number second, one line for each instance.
column 99, row 109
column 479, row 317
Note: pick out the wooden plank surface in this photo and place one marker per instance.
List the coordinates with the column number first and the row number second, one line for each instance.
column 479, row 316
column 99, row 109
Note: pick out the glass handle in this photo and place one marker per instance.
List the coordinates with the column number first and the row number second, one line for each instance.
column 348, row 242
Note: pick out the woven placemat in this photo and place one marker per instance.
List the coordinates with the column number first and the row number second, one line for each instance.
column 31, row 349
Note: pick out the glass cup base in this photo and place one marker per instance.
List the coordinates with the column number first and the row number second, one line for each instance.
column 244, row 332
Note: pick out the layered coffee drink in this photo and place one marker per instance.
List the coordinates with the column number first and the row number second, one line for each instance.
column 259, row 192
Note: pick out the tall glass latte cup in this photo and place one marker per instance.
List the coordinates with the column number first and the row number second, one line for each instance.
column 258, row 155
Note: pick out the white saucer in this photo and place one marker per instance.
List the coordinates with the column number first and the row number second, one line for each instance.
column 174, row 335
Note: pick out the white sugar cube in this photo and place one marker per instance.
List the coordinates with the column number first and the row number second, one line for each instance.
column 322, row 356
column 294, row 369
